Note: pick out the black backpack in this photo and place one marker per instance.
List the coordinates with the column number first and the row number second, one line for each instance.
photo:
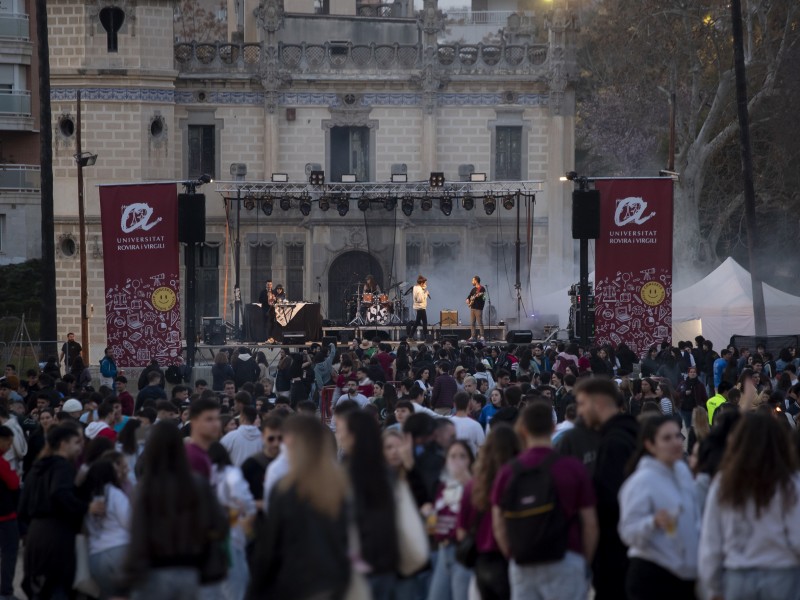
column 536, row 525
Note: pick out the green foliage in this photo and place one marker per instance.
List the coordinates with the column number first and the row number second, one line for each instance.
column 22, row 292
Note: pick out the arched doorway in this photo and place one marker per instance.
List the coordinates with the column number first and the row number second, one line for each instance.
column 346, row 276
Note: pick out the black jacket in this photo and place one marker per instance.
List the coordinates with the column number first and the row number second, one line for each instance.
column 299, row 553
column 245, row 371
column 617, row 444
column 580, row 442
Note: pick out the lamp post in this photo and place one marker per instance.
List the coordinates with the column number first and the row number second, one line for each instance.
column 82, row 159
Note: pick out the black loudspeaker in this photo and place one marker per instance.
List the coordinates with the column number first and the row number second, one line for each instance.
column 191, row 218
column 294, row 338
column 328, row 340
column 519, row 336
column 585, row 215
column 346, row 335
column 214, row 331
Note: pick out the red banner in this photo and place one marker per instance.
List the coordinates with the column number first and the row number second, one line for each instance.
column 142, row 278
column 633, row 263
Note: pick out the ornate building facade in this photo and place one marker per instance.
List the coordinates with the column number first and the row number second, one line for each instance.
column 297, row 85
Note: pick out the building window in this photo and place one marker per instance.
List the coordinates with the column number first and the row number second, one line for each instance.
column 202, row 151
column 295, row 262
column 508, row 154
column 260, row 269
column 2, row 233
column 350, row 153
column 207, row 273
column 444, row 254
column 413, row 260
column 111, row 18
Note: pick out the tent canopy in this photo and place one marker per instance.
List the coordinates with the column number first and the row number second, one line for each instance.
column 723, row 302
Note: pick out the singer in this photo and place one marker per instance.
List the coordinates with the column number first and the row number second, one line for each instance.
column 476, row 301
column 420, row 296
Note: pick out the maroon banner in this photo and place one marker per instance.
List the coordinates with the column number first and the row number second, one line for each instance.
column 142, row 280
column 633, row 263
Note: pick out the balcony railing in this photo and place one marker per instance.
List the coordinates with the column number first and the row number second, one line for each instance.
column 20, row 178
column 15, row 26
column 338, row 57
column 15, row 103
column 384, row 11
column 483, row 17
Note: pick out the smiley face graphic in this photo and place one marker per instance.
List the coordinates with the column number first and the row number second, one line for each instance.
column 653, row 293
column 163, row 299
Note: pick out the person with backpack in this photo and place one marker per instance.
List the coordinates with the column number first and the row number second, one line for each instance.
column 543, row 515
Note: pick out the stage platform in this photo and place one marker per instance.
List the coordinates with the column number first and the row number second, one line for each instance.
column 393, row 333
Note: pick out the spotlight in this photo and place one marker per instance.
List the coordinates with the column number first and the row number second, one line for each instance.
column 489, row 204
column 446, row 204
column 468, row 202
column 204, row 178
column 267, row 205
column 436, row 180
column 572, row 175
column 408, row 205
column 342, row 205
column 286, row 202
column 305, row 205
column 317, row 178
column 249, row 202
column 389, row 203
column 508, row 202
column 363, row 203
column 324, row 203
column 426, row 203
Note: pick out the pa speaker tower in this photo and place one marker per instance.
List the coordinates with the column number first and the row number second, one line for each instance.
column 191, row 218
column 585, row 215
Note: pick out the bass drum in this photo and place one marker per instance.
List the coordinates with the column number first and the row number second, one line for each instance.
column 378, row 315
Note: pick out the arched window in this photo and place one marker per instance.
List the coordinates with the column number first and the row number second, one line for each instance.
column 111, row 18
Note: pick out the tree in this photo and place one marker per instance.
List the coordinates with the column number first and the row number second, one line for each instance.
column 635, row 54
column 197, row 21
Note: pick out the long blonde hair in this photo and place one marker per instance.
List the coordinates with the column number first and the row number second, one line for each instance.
column 700, row 422
column 313, row 470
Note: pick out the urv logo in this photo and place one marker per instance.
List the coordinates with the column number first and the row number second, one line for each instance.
column 137, row 216
column 631, row 210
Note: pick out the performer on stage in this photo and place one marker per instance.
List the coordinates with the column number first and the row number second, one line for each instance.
column 476, row 301
column 371, row 286
column 420, row 296
column 280, row 293
column 267, row 298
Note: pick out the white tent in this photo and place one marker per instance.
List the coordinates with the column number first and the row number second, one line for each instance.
column 556, row 303
column 723, row 304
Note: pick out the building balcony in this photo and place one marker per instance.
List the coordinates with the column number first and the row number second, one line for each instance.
column 343, row 58
column 484, row 17
column 15, row 111
column 15, row 26
column 20, row 178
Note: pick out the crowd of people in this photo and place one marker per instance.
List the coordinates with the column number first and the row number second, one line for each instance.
column 425, row 471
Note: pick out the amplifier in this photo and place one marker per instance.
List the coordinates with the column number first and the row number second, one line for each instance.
column 214, row 331
column 448, row 317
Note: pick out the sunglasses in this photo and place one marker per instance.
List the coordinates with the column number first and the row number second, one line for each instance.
column 272, row 438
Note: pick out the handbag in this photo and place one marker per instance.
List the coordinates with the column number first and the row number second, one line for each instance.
column 467, row 548
column 83, row 581
column 412, row 539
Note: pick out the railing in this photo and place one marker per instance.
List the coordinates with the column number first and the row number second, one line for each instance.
column 334, row 57
column 15, row 103
column 20, row 178
column 482, row 17
column 15, row 26
column 386, row 11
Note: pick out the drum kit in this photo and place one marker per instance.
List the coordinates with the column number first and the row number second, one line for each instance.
column 375, row 309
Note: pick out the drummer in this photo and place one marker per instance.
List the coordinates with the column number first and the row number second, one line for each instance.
column 371, row 286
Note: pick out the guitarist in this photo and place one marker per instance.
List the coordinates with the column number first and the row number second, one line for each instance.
column 476, row 301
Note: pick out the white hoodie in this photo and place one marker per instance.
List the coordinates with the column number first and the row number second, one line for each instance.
column 652, row 487
column 738, row 539
column 242, row 443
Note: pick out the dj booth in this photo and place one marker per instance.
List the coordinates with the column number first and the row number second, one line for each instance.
column 294, row 317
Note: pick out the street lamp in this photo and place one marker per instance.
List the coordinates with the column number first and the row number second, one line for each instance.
column 83, row 159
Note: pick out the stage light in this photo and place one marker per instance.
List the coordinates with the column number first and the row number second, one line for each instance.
column 399, row 178
column 317, row 178
column 389, row 203
column 342, row 205
column 286, row 202
column 249, row 202
column 363, row 203
column 204, row 178
column 468, row 202
column 572, row 175
column 349, row 178
column 508, row 202
column 426, row 203
column 446, row 205
column 408, row 205
column 489, row 204
column 324, row 203
column 436, row 180
column 267, row 205
column 477, row 177
column 280, row 177
column 305, row 205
